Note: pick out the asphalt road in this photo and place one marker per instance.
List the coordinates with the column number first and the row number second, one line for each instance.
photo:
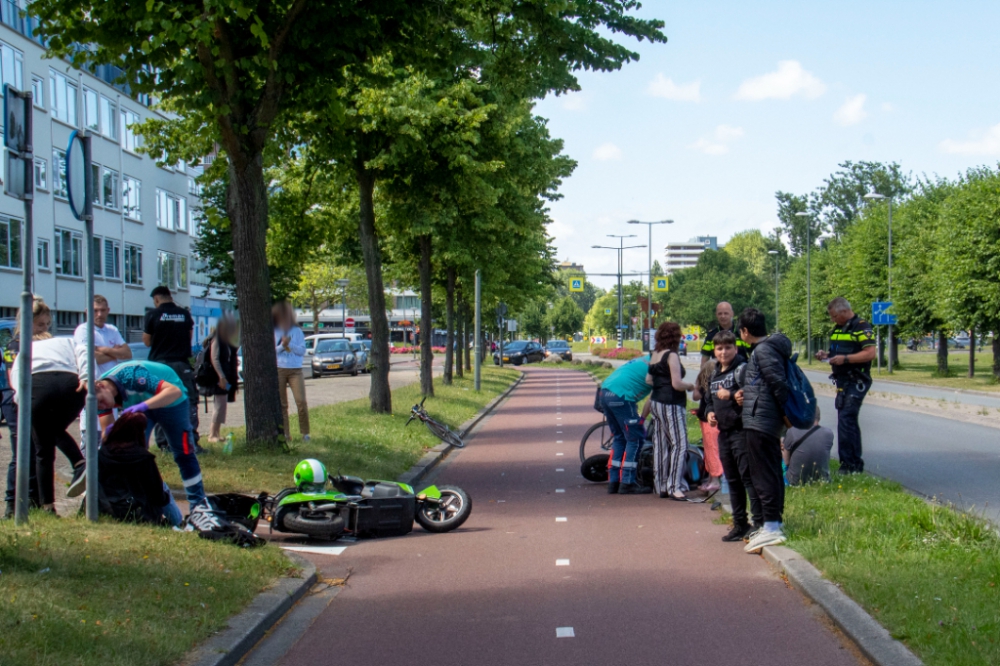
column 549, row 569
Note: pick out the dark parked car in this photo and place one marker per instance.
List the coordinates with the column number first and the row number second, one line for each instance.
column 333, row 357
column 361, row 350
column 520, row 351
column 560, row 347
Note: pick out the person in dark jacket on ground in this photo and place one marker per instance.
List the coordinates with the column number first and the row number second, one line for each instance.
column 131, row 488
column 725, row 414
column 763, row 394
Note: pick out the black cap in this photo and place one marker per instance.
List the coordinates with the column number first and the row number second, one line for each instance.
column 161, row 290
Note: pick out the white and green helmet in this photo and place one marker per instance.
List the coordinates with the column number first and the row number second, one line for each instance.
column 310, row 474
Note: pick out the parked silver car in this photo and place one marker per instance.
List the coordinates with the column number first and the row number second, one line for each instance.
column 361, row 351
column 333, row 357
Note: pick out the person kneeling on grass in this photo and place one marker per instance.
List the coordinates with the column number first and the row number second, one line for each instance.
column 155, row 390
column 807, row 453
column 132, row 489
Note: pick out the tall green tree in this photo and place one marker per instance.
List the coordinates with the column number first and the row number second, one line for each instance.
column 718, row 276
column 751, row 246
column 565, row 318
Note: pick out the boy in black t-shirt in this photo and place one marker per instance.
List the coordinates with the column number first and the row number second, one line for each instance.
column 727, row 416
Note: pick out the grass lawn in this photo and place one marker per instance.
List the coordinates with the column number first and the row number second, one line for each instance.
column 348, row 438
column 929, row 574
column 921, row 368
column 111, row 594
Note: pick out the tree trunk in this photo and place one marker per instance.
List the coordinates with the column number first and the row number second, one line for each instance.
column 246, row 206
column 379, row 394
column 972, row 352
column 894, row 349
column 460, row 337
column 426, row 325
column 942, row 353
column 449, row 338
column 996, row 355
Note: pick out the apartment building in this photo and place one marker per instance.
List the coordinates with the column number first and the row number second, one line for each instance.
column 685, row 255
column 145, row 215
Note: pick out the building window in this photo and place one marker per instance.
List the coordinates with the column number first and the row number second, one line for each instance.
column 194, row 220
column 91, row 115
column 133, row 264
column 69, row 252
column 131, row 189
column 41, row 174
column 95, row 256
column 68, row 321
column 59, row 173
column 110, row 194
column 38, row 92
column 42, row 254
column 130, row 140
column 112, row 259
column 109, row 118
column 134, row 322
column 171, row 211
column 13, row 66
column 182, row 272
column 193, row 187
column 172, row 270
column 95, row 184
column 62, row 96
column 10, row 242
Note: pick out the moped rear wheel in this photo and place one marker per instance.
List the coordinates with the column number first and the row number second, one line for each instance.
column 448, row 514
column 325, row 527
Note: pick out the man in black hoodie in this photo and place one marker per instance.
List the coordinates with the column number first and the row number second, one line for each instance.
column 726, row 414
column 763, row 393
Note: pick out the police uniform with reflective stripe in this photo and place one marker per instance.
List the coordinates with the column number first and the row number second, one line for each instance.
column 708, row 346
column 853, row 381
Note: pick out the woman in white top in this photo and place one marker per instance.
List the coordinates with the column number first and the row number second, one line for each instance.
column 290, row 346
column 58, row 393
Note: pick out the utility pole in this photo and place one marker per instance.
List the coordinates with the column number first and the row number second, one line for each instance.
column 873, row 196
column 649, row 321
column 775, row 254
column 479, row 330
column 809, row 340
column 620, row 249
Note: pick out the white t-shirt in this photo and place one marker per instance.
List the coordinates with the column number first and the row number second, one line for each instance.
column 52, row 355
column 108, row 336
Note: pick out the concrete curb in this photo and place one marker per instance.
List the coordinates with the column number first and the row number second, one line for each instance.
column 430, row 460
column 871, row 637
column 230, row 645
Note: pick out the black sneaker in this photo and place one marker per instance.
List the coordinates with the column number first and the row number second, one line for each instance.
column 634, row 489
column 9, row 511
column 613, row 487
column 738, row 532
column 79, row 482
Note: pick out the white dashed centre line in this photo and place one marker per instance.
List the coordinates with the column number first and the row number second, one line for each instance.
column 560, row 490
column 559, row 454
column 560, row 469
column 565, row 632
column 561, row 519
column 562, row 563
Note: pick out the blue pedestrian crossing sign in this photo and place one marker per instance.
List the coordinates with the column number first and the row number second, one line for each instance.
column 576, row 284
column 880, row 314
column 661, row 284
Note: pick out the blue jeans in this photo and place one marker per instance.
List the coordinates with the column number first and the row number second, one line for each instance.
column 175, row 423
column 623, row 420
column 9, row 409
column 172, row 512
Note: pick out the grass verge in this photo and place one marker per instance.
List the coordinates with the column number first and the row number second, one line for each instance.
column 348, row 438
column 929, row 574
column 111, row 594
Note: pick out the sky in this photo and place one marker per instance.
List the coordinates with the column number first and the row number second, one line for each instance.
column 746, row 99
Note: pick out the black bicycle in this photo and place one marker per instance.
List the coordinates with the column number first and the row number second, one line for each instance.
column 440, row 430
column 596, row 440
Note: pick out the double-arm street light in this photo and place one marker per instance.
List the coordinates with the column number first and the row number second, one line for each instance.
column 342, row 283
column 649, row 321
column 873, row 196
column 775, row 253
column 620, row 249
column 809, row 328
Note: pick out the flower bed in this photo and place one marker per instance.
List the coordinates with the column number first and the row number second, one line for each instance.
column 623, row 354
column 413, row 350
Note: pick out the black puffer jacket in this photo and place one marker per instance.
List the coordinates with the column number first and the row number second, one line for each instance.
column 765, row 385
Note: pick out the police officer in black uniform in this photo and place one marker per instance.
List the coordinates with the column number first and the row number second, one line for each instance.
column 723, row 315
column 852, row 348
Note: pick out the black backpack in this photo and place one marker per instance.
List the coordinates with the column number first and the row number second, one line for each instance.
column 205, row 376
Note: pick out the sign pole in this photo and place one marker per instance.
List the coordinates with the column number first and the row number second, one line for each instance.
column 479, row 330
column 91, row 404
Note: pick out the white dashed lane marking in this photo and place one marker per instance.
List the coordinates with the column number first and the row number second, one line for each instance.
column 560, row 469
column 560, row 490
column 562, row 563
column 565, row 632
column 560, row 519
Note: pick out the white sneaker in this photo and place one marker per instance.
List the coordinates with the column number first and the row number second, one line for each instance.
column 305, row 438
column 765, row 538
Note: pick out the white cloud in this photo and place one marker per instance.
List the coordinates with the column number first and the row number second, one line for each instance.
column 982, row 143
column 852, row 111
column 888, row 107
column 607, row 151
column 574, row 101
column 663, row 87
column 788, row 81
column 723, row 136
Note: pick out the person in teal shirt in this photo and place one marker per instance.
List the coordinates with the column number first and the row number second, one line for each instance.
column 154, row 389
column 620, row 395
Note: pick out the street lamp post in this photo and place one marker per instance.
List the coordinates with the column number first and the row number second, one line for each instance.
column 873, row 196
column 342, row 283
column 775, row 253
column 620, row 249
column 809, row 340
column 649, row 321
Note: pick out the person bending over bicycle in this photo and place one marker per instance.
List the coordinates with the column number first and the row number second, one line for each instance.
column 619, row 396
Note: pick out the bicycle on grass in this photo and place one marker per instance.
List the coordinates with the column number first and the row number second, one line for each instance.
column 440, row 430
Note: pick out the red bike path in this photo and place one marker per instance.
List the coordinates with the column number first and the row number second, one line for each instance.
column 622, row 580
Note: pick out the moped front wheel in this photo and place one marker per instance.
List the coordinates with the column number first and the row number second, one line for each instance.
column 448, row 513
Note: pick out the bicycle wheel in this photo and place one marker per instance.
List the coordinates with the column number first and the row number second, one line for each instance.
column 599, row 438
column 445, row 434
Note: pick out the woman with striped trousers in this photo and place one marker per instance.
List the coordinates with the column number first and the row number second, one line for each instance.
column 668, row 405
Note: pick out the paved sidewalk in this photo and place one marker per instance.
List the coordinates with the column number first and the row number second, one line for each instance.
column 549, row 569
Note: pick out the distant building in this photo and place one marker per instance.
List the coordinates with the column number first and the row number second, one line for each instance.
column 570, row 266
column 685, row 255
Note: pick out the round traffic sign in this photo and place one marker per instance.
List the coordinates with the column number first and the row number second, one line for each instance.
column 77, row 176
column 349, row 322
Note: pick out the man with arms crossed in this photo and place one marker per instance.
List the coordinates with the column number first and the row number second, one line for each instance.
column 110, row 348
